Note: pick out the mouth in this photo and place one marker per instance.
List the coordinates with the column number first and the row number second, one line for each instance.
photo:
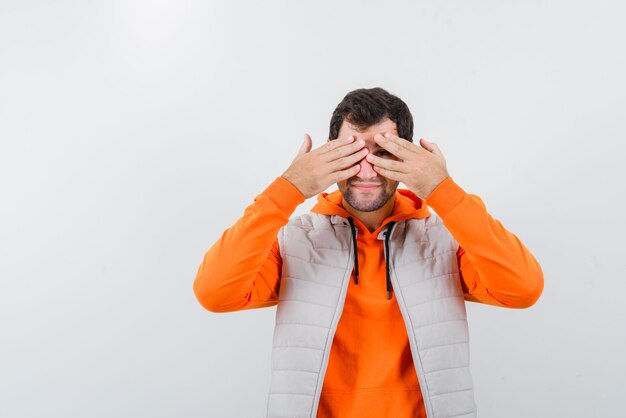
column 366, row 187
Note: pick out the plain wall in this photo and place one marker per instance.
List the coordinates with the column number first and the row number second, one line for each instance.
column 132, row 133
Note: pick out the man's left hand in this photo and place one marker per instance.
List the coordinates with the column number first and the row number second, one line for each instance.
column 420, row 168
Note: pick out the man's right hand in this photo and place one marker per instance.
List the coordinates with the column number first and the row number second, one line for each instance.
column 312, row 172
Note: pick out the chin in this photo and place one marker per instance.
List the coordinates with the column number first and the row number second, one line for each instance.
column 366, row 204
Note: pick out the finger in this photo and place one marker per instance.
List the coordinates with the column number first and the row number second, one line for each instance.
column 393, row 165
column 431, row 146
column 306, row 145
column 343, row 150
column 346, row 174
column 331, row 144
column 399, row 150
column 348, row 160
column 400, row 141
column 393, row 175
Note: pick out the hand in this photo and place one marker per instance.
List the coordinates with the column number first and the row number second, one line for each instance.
column 314, row 171
column 422, row 169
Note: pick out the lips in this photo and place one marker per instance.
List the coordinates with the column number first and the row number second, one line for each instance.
column 366, row 187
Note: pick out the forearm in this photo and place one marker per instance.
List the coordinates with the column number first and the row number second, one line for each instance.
column 496, row 267
column 242, row 269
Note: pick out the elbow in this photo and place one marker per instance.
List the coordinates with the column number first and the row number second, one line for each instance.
column 532, row 290
column 206, row 288
column 202, row 298
column 213, row 299
column 204, row 295
column 208, row 303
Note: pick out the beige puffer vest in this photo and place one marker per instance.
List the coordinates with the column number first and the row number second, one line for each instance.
column 317, row 253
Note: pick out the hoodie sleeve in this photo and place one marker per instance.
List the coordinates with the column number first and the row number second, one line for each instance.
column 496, row 268
column 242, row 268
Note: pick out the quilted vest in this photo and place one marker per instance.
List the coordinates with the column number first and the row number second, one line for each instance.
column 317, row 254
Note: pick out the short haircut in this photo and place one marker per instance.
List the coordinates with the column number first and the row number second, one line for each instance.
column 363, row 108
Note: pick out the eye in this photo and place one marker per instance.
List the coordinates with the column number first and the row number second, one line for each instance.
column 383, row 153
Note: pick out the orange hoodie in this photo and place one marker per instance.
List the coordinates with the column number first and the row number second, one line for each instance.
column 370, row 370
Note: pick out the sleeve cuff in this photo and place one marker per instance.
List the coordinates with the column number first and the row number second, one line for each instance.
column 284, row 195
column 445, row 197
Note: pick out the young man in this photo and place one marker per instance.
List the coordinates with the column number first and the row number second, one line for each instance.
column 370, row 286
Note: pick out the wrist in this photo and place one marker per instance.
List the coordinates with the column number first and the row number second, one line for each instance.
column 284, row 195
column 434, row 186
column 295, row 185
column 445, row 197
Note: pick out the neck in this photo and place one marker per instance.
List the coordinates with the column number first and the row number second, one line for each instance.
column 371, row 220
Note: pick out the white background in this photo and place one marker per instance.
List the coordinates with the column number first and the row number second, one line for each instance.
column 132, row 133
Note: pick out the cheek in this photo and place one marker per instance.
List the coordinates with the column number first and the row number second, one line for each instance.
column 390, row 185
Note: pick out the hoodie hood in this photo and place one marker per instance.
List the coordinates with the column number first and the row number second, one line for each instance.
column 406, row 206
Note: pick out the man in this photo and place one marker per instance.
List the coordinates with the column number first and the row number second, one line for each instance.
column 370, row 285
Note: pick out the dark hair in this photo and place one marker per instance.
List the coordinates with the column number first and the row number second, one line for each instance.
column 366, row 107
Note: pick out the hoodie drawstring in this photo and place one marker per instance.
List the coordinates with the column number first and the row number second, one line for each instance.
column 387, row 235
column 356, row 255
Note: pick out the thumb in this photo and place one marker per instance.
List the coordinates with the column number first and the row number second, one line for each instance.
column 431, row 146
column 306, row 146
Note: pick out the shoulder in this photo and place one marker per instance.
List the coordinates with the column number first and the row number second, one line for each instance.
column 430, row 229
column 303, row 225
column 315, row 231
column 430, row 222
column 312, row 221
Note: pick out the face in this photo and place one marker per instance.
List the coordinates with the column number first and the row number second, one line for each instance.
column 368, row 191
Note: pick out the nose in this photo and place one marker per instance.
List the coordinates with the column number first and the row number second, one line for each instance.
column 367, row 171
